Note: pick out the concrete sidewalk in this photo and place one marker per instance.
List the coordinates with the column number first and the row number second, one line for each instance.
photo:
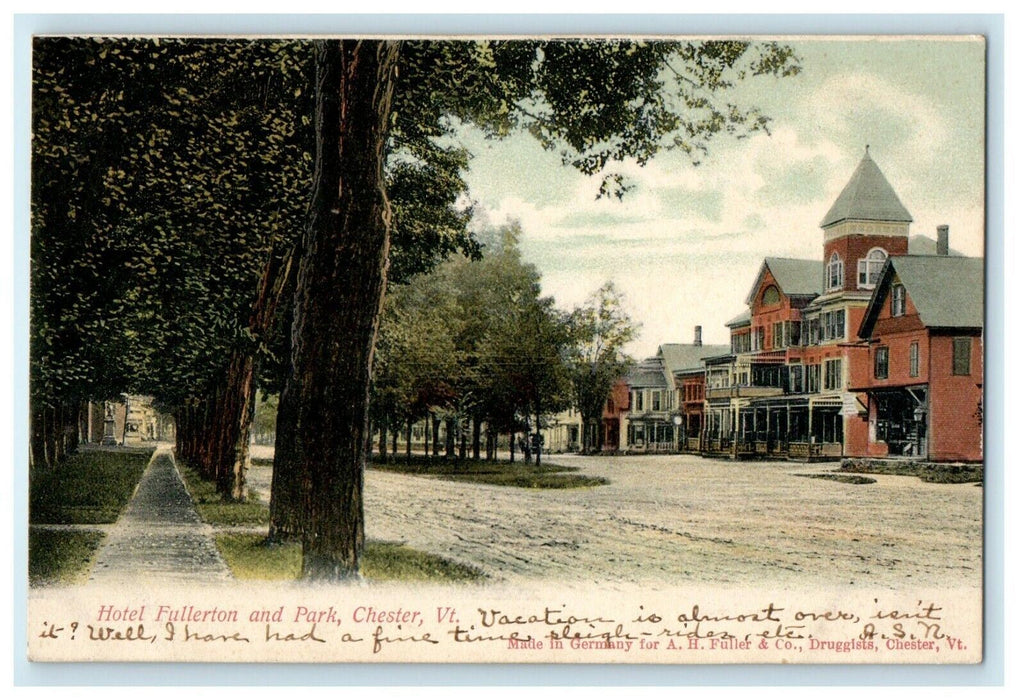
column 160, row 537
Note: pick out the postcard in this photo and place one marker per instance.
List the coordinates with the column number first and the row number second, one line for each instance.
column 629, row 350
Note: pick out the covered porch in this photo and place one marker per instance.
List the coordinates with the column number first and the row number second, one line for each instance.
column 804, row 428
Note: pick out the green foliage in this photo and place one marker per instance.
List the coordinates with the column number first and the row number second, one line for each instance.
column 250, row 557
column 474, row 337
column 92, row 486
column 601, row 329
column 60, row 556
column 167, row 172
column 265, row 418
column 164, row 174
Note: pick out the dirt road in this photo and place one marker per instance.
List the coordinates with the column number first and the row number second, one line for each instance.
column 676, row 519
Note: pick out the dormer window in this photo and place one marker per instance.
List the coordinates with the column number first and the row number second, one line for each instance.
column 870, row 267
column 834, row 273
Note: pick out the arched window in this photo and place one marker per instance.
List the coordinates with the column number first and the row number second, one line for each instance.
column 770, row 297
column 834, row 272
column 870, row 267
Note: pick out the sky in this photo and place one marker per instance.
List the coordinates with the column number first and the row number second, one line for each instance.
column 685, row 243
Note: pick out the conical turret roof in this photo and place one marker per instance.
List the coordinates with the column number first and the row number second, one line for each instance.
column 867, row 196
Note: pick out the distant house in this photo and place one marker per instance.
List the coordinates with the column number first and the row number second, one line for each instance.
column 924, row 370
column 561, row 432
column 654, row 419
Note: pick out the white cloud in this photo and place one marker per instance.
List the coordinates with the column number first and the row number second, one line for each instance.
column 685, row 242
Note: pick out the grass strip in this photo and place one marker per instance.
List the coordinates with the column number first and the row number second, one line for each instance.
column 250, row 557
column 215, row 510
column 930, row 472
column 516, row 474
column 842, row 478
column 61, row 556
column 89, row 487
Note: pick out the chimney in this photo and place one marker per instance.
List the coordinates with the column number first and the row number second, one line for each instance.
column 943, row 240
column 697, row 335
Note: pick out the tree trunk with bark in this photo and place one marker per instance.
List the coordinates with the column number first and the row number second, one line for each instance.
column 286, row 500
column 339, row 295
column 232, row 425
column 450, row 438
column 409, row 440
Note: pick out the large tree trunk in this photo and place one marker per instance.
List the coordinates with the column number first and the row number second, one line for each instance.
column 338, row 298
column 230, row 430
column 450, row 438
column 286, row 499
column 409, row 440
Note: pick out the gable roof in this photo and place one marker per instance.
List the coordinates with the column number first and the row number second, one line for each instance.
column 677, row 357
column 657, row 371
column 867, row 196
column 794, row 276
column 647, row 373
column 741, row 319
column 946, row 291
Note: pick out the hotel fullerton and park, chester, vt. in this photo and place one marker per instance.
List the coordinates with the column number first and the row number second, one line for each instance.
column 873, row 351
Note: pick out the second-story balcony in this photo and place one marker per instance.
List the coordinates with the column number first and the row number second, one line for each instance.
column 747, row 391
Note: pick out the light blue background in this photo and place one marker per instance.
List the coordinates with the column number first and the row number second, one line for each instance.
column 991, row 672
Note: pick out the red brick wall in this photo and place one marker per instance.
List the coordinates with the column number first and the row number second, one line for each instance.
column 766, row 316
column 620, row 400
column 855, row 247
column 855, row 436
column 955, row 433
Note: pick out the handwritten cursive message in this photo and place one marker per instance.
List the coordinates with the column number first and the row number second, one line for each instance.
column 875, row 629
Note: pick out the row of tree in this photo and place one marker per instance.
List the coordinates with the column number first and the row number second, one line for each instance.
column 475, row 345
column 210, row 216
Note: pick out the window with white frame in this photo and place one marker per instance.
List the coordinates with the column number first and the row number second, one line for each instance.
column 834, row 272
column 870, row 267
column 813, row 377
column 656, row 400
column 913, row 360
column 834, row 374
column 898, row 300
column 834, row 325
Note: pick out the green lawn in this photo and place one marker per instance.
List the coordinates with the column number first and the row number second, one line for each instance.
column 250, row 557
column 503, row 473
column 928, row 472
column 842, row 478
column 90, row 487
column 60, row 556
column 215, row 510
